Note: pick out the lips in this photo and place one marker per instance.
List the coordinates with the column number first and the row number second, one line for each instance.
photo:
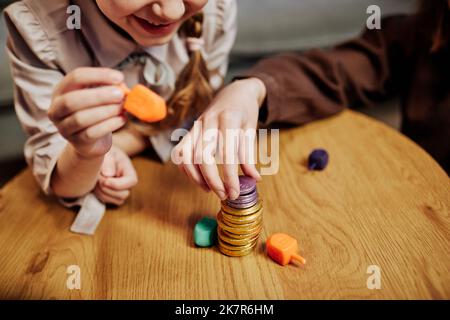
column 155, row 29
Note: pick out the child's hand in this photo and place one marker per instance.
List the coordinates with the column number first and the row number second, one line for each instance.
column 117, row 177
column 86, row 108
column 235, row 107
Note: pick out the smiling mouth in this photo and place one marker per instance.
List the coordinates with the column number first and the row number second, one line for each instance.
column 159, row 29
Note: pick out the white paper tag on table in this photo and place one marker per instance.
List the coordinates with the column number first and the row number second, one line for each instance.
column 89, row 216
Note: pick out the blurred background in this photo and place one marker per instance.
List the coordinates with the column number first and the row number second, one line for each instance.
column 265, row 27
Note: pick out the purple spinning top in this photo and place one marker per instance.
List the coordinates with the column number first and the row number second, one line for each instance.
column 318, row 159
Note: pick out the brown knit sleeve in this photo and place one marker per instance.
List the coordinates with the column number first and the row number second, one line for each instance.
column 302, row 87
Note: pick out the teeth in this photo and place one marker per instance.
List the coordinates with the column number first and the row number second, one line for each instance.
column 156, row 24
column 159, row 24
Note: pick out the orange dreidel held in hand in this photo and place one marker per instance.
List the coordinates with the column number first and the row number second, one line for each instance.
column 283, row 249
column 144, row 104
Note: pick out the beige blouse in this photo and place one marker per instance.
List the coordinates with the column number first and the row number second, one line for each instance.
column 42, row 50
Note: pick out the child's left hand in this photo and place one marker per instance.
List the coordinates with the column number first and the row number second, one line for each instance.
column 117, row 177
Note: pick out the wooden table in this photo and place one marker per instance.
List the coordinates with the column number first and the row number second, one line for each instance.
column 382, row 201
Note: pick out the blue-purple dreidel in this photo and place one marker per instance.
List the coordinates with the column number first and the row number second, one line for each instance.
column 318, row 159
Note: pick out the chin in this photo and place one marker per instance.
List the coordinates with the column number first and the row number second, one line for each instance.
column 150, row 42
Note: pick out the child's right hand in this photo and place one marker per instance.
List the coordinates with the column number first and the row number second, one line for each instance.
column 87, row 108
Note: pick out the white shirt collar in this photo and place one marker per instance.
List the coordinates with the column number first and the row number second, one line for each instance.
column 158, row 52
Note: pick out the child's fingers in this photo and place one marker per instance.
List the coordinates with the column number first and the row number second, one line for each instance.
column 120, row 183
column 210, row 174
column 74, row 101
column 195, row 175
column 86, row 118
column 206, row 162
column 230, row 153
column 102, row 196
column 125, row 166
column 189, row 167
column 184, row 152
column 108, row 168
column 83, row 77
column 99, row 130
column 117, row 194
column 247, row 155
column 251, row 171
column 201, row 180
column 231, row 180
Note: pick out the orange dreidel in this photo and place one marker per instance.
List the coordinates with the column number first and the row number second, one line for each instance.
column 144, row 104
column 283, row 249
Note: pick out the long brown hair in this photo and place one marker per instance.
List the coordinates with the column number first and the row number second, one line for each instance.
column 193, row 91
column 435, row 20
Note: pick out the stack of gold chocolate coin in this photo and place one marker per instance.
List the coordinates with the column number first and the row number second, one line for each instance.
column 240, row 221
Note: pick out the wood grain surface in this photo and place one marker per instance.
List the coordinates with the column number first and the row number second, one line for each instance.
column 382, row 201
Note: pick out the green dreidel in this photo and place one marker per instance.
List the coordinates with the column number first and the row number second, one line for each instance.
column 205, row 232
